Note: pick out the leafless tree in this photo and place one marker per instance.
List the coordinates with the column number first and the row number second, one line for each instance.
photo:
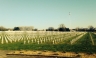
column 62, row 26
column 90, row 27
column 2, row 28
column 77, row 28
column 26, row 28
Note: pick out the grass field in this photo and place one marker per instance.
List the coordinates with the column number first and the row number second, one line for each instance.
column 52, row 41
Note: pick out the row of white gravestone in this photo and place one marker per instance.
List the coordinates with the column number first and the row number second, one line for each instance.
column 24, row 41
column 53, row 40
column 41, row 41
column 19, row 39
column 14, row 38
column 9, row 37
column 77, row 38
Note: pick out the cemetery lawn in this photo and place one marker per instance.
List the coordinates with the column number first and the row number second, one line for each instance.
column 83, row 44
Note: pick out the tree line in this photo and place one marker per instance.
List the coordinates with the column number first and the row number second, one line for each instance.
column 60, row 28
column 89, row 29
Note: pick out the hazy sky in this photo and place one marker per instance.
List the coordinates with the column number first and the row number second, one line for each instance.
column 47, row 13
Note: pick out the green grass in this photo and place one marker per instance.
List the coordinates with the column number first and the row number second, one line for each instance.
column 84, row 44
column 94, row 38
column 68, row 40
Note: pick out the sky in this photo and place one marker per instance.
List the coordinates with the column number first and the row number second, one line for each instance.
column 47, row 13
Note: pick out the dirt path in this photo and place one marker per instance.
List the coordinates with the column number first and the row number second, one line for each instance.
column 4, row 52
column 91, row 39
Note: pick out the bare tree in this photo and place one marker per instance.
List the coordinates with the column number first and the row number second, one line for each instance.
column 51, row 29
column 62, row 26
column 77, row 28
column 91, row 28
column 26, row 28
column 2, row 28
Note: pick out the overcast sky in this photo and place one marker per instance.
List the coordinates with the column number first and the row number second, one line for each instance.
column 47, row 13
